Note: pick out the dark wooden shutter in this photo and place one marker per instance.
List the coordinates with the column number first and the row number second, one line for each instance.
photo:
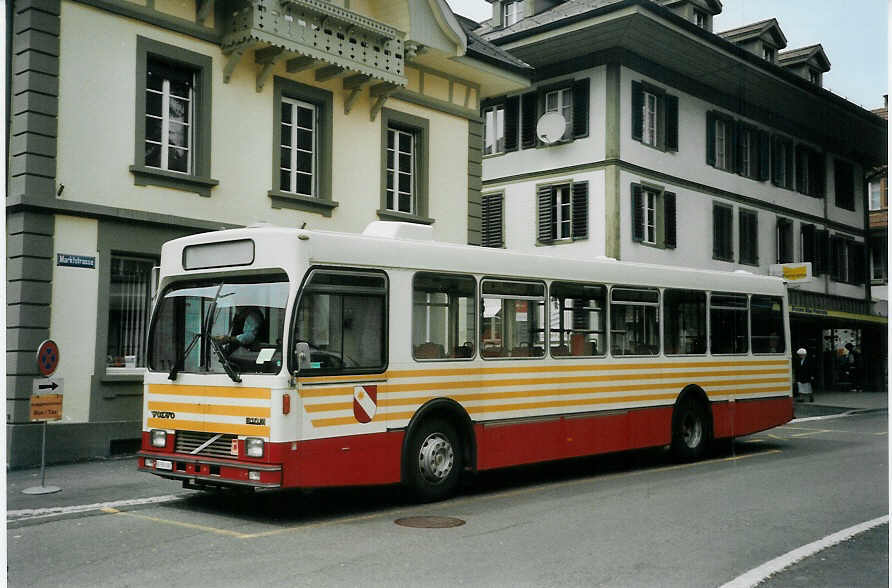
column 637, row 214
column 776, row 161
column 512, row 120
column 764, row 156
column 731, row 142
column 546, row 200
column 749, row 231
column 833, row 265
column 491, row 221
column 721, row 230
column 580, row 210
column 821, row 253
column 669, row 233
column 739, row 148
column 856, row 262
column 801, row 172
column 807, row 233
column 529, row 114
column 637, row 111
column 671, row 103
column 817, row 172
column 580, row 107
column 710, row 138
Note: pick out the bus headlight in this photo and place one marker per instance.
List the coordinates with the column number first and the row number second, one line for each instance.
column 254, row 447
column 159, row 438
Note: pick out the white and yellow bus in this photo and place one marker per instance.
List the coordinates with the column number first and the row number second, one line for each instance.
column 295, row 358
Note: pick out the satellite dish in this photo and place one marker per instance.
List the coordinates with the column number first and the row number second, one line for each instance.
column 550, row 128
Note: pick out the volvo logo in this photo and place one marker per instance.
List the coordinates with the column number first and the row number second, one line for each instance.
column 255, row 421
column 163, row 414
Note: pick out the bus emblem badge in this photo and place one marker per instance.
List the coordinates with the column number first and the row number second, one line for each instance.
column 365, row 403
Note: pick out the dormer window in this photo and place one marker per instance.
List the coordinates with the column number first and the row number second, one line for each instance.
column 510, row 13
column 768, row 53
column 701, row 20
column 814, row 77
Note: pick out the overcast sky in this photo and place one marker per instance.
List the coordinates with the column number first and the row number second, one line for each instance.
column 853, row 34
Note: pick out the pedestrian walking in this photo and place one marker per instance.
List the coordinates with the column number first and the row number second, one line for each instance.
column 804, row 374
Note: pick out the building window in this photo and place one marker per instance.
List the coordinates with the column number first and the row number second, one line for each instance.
column 720, row 141
column 768, row 53
column 302, row 132
column 846, row 260
column 494, row 129
column 749, row 236
column 173, row 118
column 653, row 216
column 785, row 241
column 809, row 172
column 297, row 147
column 634, row 321
column 808, row 246
column 563, row 212
column 578, row 326
column 876, row 196
column 654, row 117
column 701, row 20
column 443, row 316
column 878, row 262
column 492, row 221
column 844, row 184
column 752, row 152
column 128, row 312
column 814, row 77
column 405, row 167
column 782, row 162
column 510, row 13
column 561, row 101
column 722, row 232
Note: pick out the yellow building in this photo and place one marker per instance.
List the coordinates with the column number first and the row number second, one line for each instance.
column 136, row 122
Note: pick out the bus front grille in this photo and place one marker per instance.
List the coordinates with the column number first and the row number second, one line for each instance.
column 189, row 441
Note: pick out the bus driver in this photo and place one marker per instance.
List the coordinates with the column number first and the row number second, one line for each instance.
column 246, row 329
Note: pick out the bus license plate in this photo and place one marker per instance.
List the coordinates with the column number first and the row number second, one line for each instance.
column 163, row 464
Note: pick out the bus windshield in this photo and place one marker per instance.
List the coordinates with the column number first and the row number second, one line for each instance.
column 231, row 326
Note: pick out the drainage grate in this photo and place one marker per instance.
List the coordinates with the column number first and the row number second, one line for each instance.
column 430, row 522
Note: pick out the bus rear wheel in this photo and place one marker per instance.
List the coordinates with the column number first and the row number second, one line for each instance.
column 690, row 430
column 434, row 461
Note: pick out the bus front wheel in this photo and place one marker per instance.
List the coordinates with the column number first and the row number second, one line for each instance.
column 690, row 430
column 434, row 461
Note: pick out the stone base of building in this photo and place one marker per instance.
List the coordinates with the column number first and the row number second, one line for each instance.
column 69, row 442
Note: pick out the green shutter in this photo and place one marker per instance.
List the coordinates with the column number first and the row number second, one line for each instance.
column 545, row 201
column 491, row 220
column 710, row 138
column 669, row 232
column 580, row 107
column 637, row 214
column 671, row 103
column 528, row 116
column 512, row 116
column 764, row 156
column 637, row 111
column 580, row 210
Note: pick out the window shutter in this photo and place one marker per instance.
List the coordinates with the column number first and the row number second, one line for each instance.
column 856, row 262
column 807, row 233
column 716, row 232
column 800, row 170
column 528, row 116
column 820, row 265
column 739, row 147
column 580, row 107
column 546, row 197
column 512, row 115
column 730, row 150
column 834, row 258
column 710, row 138
column 637, row 114
column 722, row 230
column 637, row 214
column 749, row 231
column 817, row 172
column 491, row 221
column 669, row 234
column 671, row 103
column 580, row 210
column 764, row 156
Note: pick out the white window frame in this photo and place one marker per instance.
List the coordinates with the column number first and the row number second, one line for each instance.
column 721, row 143
column 700, row 19
column 562, row 213
column 292, row 164
column 510, row 13
column 165, row 144
column 137, row 311
column 494, row 129
column 649, row 216
column 768, row 53
column 650, row 128
column 746, row 145
column 561, row 101
column 395, row 171
column 875, row 193
column 877, row 265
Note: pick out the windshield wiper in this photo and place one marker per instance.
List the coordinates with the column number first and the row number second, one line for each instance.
column 221, row 357
column 177, row 365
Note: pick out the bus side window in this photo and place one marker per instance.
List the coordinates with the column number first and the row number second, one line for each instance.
column 443, row 316
column 684, row 327
column 767, row 324
column 578, row 319
column 343, row 317
column 634, row 321
column 513, row 319
column 728, row 323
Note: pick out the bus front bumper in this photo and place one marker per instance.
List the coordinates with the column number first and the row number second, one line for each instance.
column 204, row 472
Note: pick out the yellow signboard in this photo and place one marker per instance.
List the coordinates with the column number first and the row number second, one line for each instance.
column 46, row 407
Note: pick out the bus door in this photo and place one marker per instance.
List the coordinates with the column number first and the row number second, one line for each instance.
column 340, row 349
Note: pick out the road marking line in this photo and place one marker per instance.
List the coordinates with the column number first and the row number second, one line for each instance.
column 174, row 523
column 758, row 575
column 828, row 417
column 39, row 513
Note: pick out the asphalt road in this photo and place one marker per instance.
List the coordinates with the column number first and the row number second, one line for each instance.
column 628, row 520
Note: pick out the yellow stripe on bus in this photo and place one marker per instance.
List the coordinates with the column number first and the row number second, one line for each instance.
column 220, row 409
column 538, row 368
column 389, row 402
column 210, row 391
column 397, row 416
column 464, row 384
column 230, row 428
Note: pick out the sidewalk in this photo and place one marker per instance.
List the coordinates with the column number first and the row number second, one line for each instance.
column 113, row 480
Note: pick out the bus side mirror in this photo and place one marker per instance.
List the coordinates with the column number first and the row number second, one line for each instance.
column 303, row 356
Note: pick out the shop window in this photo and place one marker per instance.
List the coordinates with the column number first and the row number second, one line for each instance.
column 128, row 313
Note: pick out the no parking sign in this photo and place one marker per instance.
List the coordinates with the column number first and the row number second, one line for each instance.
column 47, row 357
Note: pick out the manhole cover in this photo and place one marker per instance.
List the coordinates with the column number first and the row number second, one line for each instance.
column 430, row 522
